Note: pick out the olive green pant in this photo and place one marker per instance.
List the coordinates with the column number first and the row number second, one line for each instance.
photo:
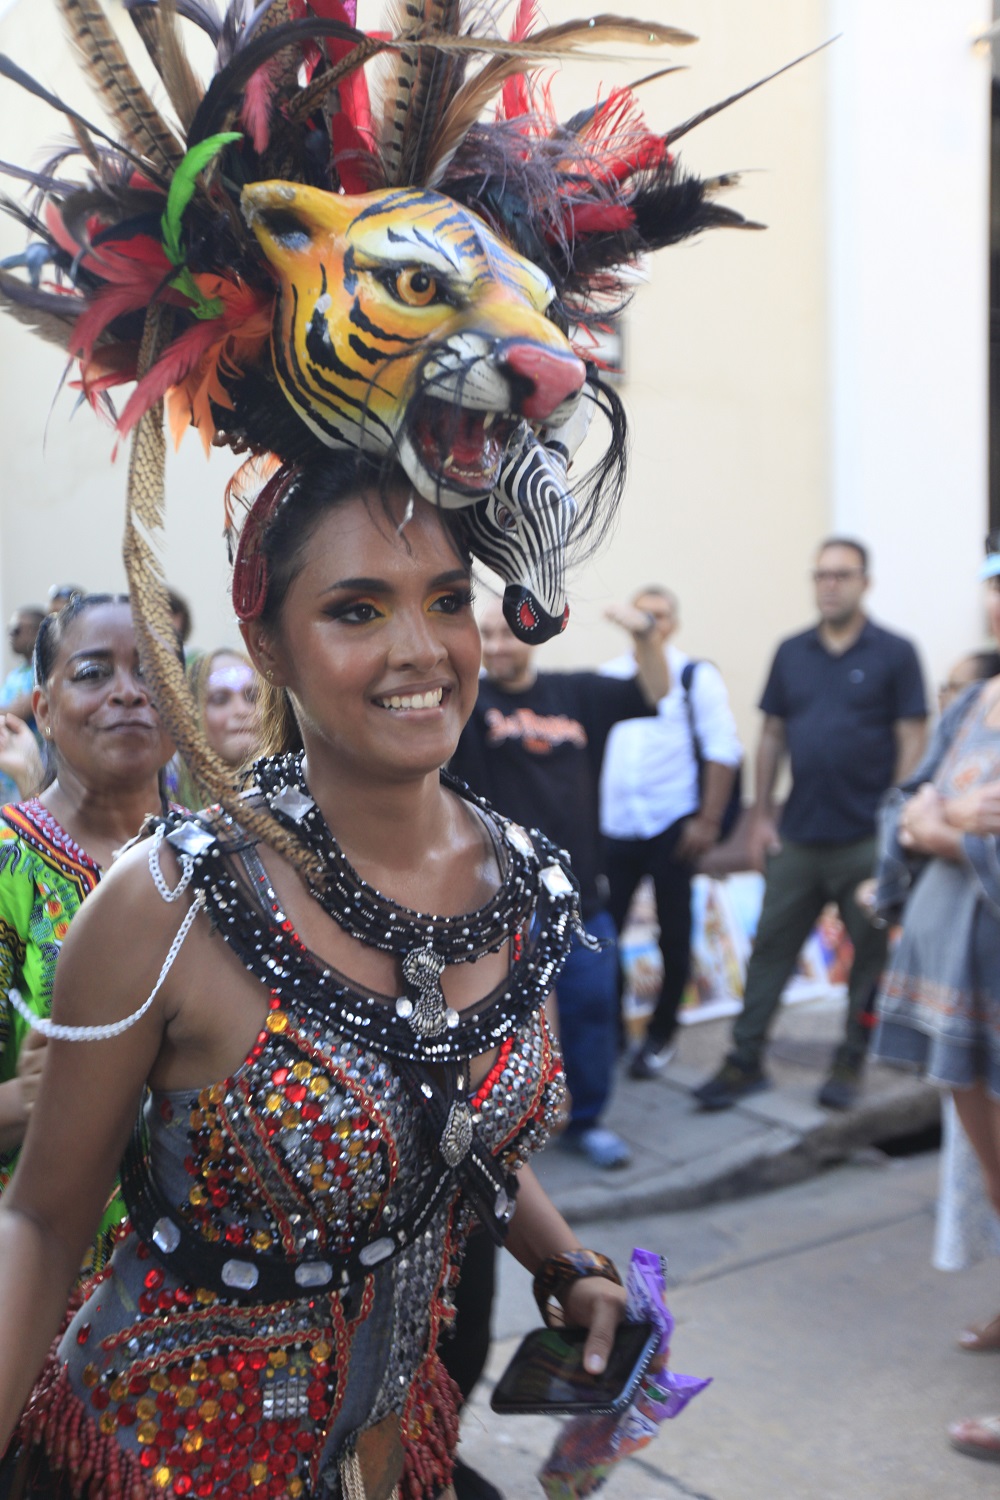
column 801, row 880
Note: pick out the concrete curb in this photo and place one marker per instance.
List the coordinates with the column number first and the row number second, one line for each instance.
column 782, row 1153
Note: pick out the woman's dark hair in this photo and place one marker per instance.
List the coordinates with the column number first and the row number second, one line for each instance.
column 320, row 486
column 987, row 664
column 52, row 631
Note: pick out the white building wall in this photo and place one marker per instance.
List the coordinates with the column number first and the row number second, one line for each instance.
column 908, row 298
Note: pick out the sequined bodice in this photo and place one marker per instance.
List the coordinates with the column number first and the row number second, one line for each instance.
column 311, row 1145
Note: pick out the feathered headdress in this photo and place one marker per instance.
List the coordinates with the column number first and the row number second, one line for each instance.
column 304, row 255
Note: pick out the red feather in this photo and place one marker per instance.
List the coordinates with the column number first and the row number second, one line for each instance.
column 174, row 365
column 258, row 96
column 352, row 155
column 597, row 218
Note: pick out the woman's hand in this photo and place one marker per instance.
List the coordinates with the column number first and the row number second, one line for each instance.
column 599, row 1306
column 922, row 821
column 29, row 1070
column 20, row 757
column 976, row 811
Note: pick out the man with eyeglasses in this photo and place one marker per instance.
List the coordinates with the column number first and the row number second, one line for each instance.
column 845, row 702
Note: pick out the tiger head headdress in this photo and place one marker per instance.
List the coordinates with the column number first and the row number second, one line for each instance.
column 296, row 263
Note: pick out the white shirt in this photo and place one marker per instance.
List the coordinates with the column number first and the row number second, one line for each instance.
column 649, row 777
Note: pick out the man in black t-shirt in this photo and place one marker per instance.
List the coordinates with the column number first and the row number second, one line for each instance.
column 533, row 748
column 845, row 700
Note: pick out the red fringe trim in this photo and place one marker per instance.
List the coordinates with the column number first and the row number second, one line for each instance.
column 429, row 1431
column 56, row 1420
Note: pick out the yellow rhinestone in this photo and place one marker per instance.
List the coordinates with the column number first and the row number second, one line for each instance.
column 277, row 1021
column 147, row 1432
column 217, row 1093
column 145, row 1408
column 197, row 1195
column 320, row 1351
column 192, row 1443
column 108, row 1423
column 204, row 1098
column 205, row 1298
column 258, row 1473
column 118, row 1389
column 322, row 1184
column 199, row 1370
column 342, row 1131
column 186, row 1396
column 158, row 1382
column 242, row 1174
column 90, row 1376
column 291, row 1119
column 301, row 1071
column 319, row 1085
column 209, row 1410
column 355, row 1148
column 278, row 1358
column 295, row 1487
column 161, row 1477
column 261, row 1240
column 229, row 1380
column 370, row 1203
column 273, row 1103
column 197, row 1120
column 216, row 1143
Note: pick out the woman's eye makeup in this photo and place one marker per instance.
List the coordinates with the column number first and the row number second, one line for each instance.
column 90, row 671
column 453, row 601
column 355, row 612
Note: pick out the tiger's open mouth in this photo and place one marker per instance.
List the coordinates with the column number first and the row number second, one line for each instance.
column 461, row 449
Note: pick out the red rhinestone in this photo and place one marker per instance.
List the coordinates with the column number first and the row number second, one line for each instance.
column 99, row 1398
column 241, row 1482
column 126, row 1414
column 237, row 1360
column 177, row 1376
column 282, row 1442
column 258, row 1359
column 165, row 1300
column 204, row 1486
column 183, row 1484
column 225, row 1443
column 150, row 1457
column 245, row 1435
column 147, row 1304
column 183, row 1296
column 261, row 1452
column 138, row 1385
column 83, row 1333
column 323, row 1132
column 305, row 1441
column 216, row 1365
column 317, row 1410
column 247, row 1377
column 235, row 1234
column 316, row 1390
column 290, row 1462
column 142, row 1251
column 295, row 1093
column 311, row 1112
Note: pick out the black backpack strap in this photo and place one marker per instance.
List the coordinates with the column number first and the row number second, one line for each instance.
column 687, row 677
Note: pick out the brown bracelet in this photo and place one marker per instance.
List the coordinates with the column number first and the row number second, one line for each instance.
column 555, row 1275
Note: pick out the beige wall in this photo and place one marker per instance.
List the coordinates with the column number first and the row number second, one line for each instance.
column 728, row 387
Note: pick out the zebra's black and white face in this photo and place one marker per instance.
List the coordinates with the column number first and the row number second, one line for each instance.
column 522, row 532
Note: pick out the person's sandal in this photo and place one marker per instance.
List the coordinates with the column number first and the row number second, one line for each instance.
column 979, row 1437
column 985, row 1340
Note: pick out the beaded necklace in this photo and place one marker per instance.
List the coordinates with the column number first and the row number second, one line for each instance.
column 537, row 910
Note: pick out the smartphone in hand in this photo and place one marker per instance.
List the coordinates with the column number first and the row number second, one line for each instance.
column 546, row 1374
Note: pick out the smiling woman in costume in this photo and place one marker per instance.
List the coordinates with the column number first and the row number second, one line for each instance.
column 346, row 963
column 340, row 1068
column 106, row 747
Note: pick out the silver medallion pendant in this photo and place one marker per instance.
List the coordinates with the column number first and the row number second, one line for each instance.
column 422, row 970
column 456, row 1141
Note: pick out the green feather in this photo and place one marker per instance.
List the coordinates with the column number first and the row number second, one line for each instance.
column 182, row 186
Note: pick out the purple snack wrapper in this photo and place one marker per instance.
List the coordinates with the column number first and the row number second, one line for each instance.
column 589, row 1446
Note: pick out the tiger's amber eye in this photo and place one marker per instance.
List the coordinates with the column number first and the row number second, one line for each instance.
column 416, row 288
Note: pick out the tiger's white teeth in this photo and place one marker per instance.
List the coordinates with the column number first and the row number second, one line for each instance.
column 488, row 421
column 413, row 700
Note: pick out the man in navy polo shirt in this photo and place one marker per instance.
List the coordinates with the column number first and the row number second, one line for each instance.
column 845, row 701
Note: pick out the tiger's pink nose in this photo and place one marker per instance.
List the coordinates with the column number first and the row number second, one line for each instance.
column 542, row 379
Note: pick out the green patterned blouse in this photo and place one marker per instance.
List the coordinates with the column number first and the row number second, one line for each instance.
column 44, row 876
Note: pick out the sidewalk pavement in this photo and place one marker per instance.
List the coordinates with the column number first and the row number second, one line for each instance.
column 683, row 1156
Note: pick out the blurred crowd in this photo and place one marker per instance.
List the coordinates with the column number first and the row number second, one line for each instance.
column 634, row 768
